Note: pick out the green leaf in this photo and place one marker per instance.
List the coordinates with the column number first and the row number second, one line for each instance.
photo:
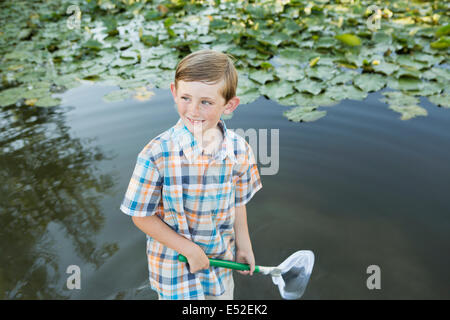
column 261, row 76
column 290, row 73
column 409, row 112
column 48, row 102
column 249, row 96
column 443, row 31
column 349, row 39
column 428, row 59
column 93, row 45
column 410, row 62
column 276, row 90
column 69, row 81
column 386, row 68
column 341, row 92
column 323, row 100
column 309, row 85
column 370, row 82
column 305, row 114
column 323, row 73
column 325, row 42
column 436, row 73
column 36, row 93
column 134, row 83
column 405, row 84
column 442, row 43
column 428, row 88
column 116, row 95
column 403, row 103
column 442, row 100
column 11, row 96
column 406, row 71
column 399, row 98
column 290, row 100
column 343, row 77
column 276, row 38
column 149, row 40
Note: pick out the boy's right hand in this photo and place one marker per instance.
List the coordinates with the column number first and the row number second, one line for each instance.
column 197, row 259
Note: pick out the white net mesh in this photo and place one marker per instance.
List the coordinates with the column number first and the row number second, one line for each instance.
column 295, row 273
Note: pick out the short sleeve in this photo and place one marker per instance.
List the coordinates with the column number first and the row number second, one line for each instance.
column 143, row 195
column 249, row 181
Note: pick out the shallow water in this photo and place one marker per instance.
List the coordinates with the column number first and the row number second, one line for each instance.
column 358, row 187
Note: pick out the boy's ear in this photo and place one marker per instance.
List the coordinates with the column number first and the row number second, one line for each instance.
column 173, row 90
column 232, row 105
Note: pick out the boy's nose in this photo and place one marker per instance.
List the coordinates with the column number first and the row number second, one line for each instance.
column 195, row 109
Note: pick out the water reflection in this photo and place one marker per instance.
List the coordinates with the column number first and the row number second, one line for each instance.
column 47, row 177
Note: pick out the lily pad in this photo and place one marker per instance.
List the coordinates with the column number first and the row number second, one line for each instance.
column 309, row 85
column 290, row 100
column 406, row 71
column 304, row 114
column 11, row 96
column 341, row 92
column 410, row 62
column 261, row 76
column 117, row 95
column 437, row 73
column 48, row 102
column 134, row 83
column 429, row 88
column 409, row 112
column 442, row 44
column 290, row 73
column 276, row 90
column 249, row 96
column 443, row 31
column 386, row 68
column 442, row 100
column 399, row 98
column 370, row 82
column 343, row 78
column 35, row 93
column 93, row 45
column 322, row 100
column 405, row 84
column 323, row 73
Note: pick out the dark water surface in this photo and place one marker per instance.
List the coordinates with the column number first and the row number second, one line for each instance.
column 358, row 187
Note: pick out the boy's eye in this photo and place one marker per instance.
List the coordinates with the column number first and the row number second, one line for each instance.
column 206, row 102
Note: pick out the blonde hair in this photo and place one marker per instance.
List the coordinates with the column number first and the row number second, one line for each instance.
column 210, row 67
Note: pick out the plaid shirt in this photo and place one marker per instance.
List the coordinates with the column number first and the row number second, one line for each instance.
column 195, row 195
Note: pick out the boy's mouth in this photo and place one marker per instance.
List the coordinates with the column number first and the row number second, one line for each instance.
column 195, row 121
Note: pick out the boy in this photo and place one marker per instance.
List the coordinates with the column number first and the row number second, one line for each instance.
column 190, row 185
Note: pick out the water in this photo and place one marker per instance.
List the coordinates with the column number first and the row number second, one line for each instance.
column 359, row 187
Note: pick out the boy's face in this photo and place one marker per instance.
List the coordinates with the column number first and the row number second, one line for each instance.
column 199, row 101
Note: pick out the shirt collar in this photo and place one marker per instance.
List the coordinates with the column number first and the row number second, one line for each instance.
column 192, row 150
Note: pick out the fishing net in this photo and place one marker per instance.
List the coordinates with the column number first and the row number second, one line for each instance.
column 295, row 273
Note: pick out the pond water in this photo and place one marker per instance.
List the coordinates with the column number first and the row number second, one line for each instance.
column 358, row 187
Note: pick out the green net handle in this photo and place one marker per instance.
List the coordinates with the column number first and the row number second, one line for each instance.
column 224, row 264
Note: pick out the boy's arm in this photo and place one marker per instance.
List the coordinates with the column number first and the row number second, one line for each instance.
column 244, row 251
column 157, row 229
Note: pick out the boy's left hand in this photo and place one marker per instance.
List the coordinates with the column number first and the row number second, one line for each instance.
column 247, row 257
